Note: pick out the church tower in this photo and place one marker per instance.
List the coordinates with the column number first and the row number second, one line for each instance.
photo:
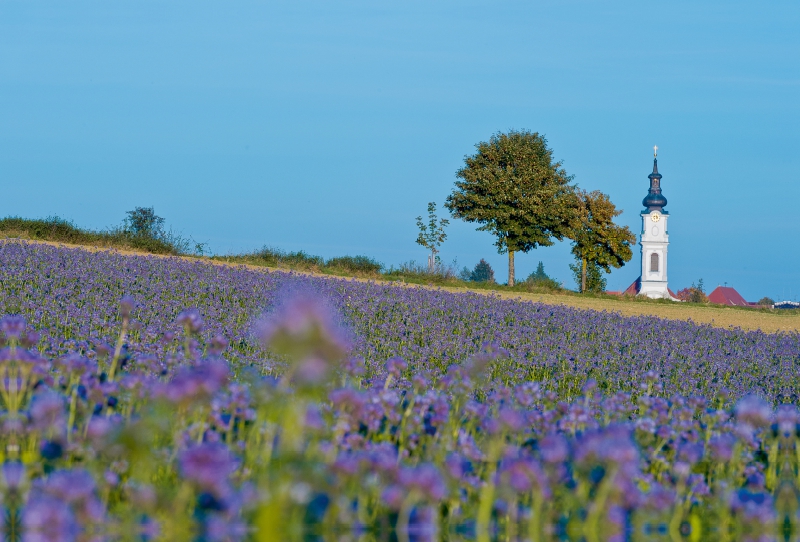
column 655, row 239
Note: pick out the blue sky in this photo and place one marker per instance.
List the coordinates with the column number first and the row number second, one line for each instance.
column 328, row 126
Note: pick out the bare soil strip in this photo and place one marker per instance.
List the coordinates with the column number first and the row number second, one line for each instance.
column 715, row 315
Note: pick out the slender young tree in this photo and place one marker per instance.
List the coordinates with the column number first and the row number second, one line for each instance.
column 432, row 235
column 514, row 189
column 596, row 240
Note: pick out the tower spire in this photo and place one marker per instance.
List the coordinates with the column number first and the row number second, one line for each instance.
column 654, row 201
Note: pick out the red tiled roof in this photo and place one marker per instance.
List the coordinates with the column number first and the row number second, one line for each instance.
column 635, row 288
column 725, row 295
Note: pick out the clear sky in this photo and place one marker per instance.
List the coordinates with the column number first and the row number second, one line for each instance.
column 328, row 126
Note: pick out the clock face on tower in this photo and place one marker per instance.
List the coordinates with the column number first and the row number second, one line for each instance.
column 655, row 217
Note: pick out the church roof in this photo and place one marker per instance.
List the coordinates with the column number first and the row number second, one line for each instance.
column 635, row 288
column 654, row 200
column 725, row 295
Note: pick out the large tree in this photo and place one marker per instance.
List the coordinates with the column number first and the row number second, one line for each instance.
column 596, row 239
column 517, row 192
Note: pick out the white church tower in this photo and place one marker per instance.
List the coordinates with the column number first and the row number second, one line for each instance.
column 655, row 239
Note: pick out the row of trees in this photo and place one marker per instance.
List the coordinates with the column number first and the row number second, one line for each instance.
column 514, row 189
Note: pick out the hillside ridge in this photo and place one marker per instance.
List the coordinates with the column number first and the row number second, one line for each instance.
column 717, row 316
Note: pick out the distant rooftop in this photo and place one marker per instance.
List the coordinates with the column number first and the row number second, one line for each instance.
column 725, row 295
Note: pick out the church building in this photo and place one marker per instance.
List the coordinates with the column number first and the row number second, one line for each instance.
column 654, row 242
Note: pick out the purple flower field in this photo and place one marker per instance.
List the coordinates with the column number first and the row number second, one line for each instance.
column 164, row 399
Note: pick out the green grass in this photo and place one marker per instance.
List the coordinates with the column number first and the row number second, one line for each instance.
column 59, row 230
column 361, row 266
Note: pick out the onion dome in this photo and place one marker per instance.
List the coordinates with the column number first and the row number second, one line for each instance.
column 654, row 201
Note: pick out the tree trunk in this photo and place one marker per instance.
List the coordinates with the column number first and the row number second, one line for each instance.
column 511, row 268
column 583, row 277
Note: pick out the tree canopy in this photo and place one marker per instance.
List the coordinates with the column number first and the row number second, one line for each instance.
column 516, row 191
column 597, row 240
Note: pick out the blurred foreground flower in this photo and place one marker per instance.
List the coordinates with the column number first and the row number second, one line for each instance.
column 304, row 332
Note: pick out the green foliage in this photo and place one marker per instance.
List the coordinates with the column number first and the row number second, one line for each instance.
column 355, row 264
column 483, row 272
column 274, row 257
column 595, row 281
column 514, row 189
column 541, row 280
column 59, row 230
column 766, row 301
column 412, row 272
column 595, row 237
column 144, row 221
column 432, row 235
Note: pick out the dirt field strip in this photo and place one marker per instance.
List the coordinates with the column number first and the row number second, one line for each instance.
column 724, row 317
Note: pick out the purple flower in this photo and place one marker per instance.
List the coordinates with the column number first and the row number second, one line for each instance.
column 13, row 475
column 47, row 519
column 47, row 412
column 523, row 475
column 510, row 419
column 425, row 479
column 393, row 497
column 554, row 448
column 126, row 305
column 755, row 506
column 753, row 411
column 12, row 326
column 208, row 466
column 198, row 382
column 787, row 418
column 303, row 331
column 691, row 452
column 660, row 498
column 191, row 320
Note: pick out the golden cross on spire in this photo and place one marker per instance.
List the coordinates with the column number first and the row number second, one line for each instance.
column 655, row 151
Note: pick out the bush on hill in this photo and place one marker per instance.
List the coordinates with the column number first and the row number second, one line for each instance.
column 693, row 294
column 59, row 230
column 539, row 280
column 483, row 272
column 275, row 257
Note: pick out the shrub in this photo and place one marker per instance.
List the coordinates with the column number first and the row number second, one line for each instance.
column 59, row 230
column 693, row 294
column 275, row 257
column 143, row 221
column 540, row 280
column 483, row 272
column 355, row 264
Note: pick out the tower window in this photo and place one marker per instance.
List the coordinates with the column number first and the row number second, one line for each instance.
column 654, row 262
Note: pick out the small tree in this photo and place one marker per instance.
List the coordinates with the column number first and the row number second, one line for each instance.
column 432, row 235
column 541, row 279
column 143, row 221
column 693, row 294
column 597, row 241
column 516, row 191
column 588, row 276
column 766, row 301
column 483, row 272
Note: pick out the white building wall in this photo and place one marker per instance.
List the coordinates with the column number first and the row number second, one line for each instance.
column 654, row 240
